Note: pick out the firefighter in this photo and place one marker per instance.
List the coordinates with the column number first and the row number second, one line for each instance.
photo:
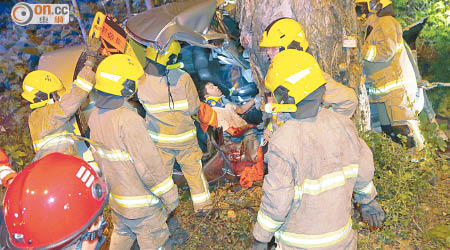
column 56, row 202
column 52, row 114
column 7, row 174
column 286, row 33
column 390, row 77
column 143, row 193
column 316, row 161
column 170, row 98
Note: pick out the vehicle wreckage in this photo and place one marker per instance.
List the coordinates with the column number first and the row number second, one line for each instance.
column 208, row 54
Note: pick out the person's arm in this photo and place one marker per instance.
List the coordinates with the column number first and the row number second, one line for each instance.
column 191, row 94
column 278, row 195
column 364, row 189
column 245, row 107
column 381, row 45
column 148, row 162
column 71, row 102
column 341, row 98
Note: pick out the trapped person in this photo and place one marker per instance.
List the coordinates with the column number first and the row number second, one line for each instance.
column 316, row 163
column 227, row 112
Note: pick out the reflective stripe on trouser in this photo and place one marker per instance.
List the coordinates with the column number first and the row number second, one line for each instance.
column 151, row 231
column 189, row 159
column 326, row 182
column 314, row 240
column 186, row 136
column 52, row 140
column 134, row 201
column 413, row 126
column 163, row 107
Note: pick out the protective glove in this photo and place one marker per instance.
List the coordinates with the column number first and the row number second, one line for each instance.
column 92, row 51
column 258, row 245
column 372, row 213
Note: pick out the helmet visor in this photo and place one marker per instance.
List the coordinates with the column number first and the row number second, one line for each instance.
column 281, row 95
column 129, row 87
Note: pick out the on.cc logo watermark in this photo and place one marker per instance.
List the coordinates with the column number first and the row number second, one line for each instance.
column 25, row 13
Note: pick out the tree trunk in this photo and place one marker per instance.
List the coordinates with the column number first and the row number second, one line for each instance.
column 326, row 24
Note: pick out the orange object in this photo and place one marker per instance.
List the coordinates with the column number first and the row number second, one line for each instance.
column 238, row 132
column 207, row 116
column 6, row 171
column 254, row 173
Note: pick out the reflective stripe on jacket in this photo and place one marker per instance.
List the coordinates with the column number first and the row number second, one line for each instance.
column 49, row 122
column 390, row 75
column 312, row 176
column 132, row 166
column 169, row 115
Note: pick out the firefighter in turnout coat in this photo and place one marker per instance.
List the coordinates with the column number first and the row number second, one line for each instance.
column 170, row 98
column 53, row 115
column 142, row 190
column 316, row 162
column 390, row 76
column 287, row 33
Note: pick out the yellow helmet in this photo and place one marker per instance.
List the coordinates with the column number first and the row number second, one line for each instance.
column 372, row 3
column 282, row 32
column 37, row 87
column 169, row 54
column 293, row 75
column 117, row 75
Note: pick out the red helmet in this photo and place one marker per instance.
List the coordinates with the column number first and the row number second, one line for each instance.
column 52, row 202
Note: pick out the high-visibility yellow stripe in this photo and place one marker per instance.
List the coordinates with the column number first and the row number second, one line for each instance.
column 163, row 107
column 366, row 190
column 268, row 223
column 173, row 138
column 212, row 117
column 326, row 182
column 202, row 197
column 372, row 53
column 314, row 240
column 400, row 47
column 390, row 86
column 270, row 126
column 163, row 187
column 114, row 155
column 83, row 84
column 134, row 201
column 37, row 144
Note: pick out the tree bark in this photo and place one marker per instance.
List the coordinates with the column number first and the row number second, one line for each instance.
column 326, row 24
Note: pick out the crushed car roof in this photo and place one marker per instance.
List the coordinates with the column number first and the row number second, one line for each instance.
column 184, row 21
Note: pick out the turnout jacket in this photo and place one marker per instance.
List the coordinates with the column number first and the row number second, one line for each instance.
column 169, row 112
column 388, row 70
column 342, row 99
column 315, row 165
column 57, row 119
column 132, row 165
